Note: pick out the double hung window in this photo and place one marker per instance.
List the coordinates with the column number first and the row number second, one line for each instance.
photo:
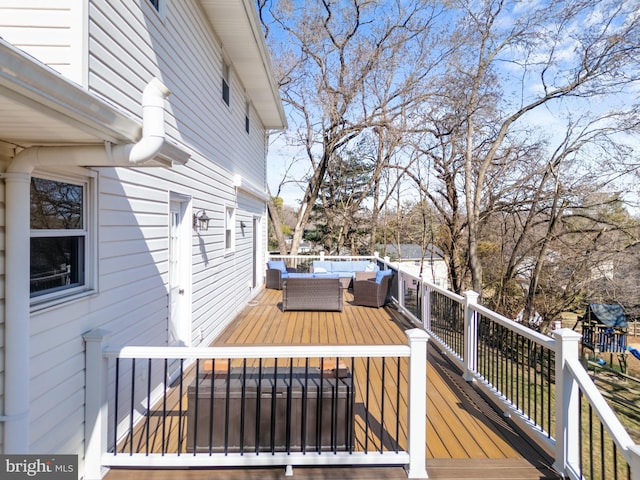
column 58, row 240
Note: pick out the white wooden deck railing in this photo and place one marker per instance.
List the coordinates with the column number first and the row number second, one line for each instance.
column 101, row 451
column 539, row 380
column 565, row 433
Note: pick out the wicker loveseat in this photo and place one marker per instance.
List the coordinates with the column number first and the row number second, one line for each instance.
column 305, row 293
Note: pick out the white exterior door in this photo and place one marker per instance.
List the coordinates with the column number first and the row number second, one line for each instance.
column 179, row 320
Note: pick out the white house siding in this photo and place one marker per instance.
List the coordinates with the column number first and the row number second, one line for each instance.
column 53, row 31
column 129, row 44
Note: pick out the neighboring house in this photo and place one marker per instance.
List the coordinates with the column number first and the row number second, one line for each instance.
column 106, row 177
column 429, row 264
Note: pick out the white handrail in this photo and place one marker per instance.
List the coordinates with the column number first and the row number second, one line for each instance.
column 526, row 332
column 260, row 351
column 97, row 357
column 601, row 408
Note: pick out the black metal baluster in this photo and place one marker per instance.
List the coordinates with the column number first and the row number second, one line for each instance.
column 132, row 401
column 397, row 439
column 305, row 397
column 243, row 400
column 580, row 433
column 351, row 407
column 148, row 425
column 366, row 408
column 615, row 461
column 549, row 393
column 602, row 456
column 115, row 406
column 258, row 406
column 195, row 407
column 382, row 390
column 290, row 412
column 274, row 391
column 334, row 408
column 319, row 405
column 227, row 407
column 212, row 384
column 591, row 468
column 180, row 405
column 164, row 406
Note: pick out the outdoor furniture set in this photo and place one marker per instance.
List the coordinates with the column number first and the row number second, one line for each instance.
column 322, row 289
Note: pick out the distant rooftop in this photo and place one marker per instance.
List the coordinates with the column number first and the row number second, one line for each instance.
column 410, row 251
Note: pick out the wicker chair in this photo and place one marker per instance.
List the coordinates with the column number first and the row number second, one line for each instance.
column 274, row 277
column 369, row 293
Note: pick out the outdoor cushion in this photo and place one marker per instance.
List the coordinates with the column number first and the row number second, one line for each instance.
column 346, row 266
column 312, row 275
column 371, row 267
column 322, row 264
column 359, row 266
column 381, row 274
column 277, row 265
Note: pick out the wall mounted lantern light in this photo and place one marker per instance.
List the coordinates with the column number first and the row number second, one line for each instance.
column 201, row 220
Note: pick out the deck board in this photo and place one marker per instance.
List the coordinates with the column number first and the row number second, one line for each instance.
column 461, row 427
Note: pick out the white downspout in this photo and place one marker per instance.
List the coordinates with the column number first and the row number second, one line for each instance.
column 16, row 345
column 17, row 232
column 153, row 133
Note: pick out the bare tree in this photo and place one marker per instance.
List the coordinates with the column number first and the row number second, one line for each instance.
column 345, row 67
column 603, row 59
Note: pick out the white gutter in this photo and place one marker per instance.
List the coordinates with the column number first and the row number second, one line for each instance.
column 17, row 228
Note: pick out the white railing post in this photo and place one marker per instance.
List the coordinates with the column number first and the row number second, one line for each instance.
column 426, row 305
column 470, row 335
column 567, row 403
column 417, row 403
column 95, row 422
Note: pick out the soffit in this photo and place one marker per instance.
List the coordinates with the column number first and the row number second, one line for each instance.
column 41, row 107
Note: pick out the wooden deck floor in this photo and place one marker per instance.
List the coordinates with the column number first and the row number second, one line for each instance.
column 466, row 438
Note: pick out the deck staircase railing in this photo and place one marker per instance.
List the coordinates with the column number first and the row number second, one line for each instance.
column 537, row 380
column 251, row 406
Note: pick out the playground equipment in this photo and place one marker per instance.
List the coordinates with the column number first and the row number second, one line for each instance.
column 604, row 330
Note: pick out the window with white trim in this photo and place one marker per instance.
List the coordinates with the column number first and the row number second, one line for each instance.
column 59, row 237
column 229, row 228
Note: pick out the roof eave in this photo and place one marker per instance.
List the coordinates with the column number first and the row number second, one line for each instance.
column 31, row 83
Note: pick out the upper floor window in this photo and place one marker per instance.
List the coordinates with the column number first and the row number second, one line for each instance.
column 58, row 239
column 225, row 83
column 156, row 4
column 246, row 116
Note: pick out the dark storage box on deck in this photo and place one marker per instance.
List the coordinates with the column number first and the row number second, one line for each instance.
column 282, row 410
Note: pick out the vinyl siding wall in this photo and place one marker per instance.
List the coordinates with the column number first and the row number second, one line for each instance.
column 129, row 44
column 53, row 31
